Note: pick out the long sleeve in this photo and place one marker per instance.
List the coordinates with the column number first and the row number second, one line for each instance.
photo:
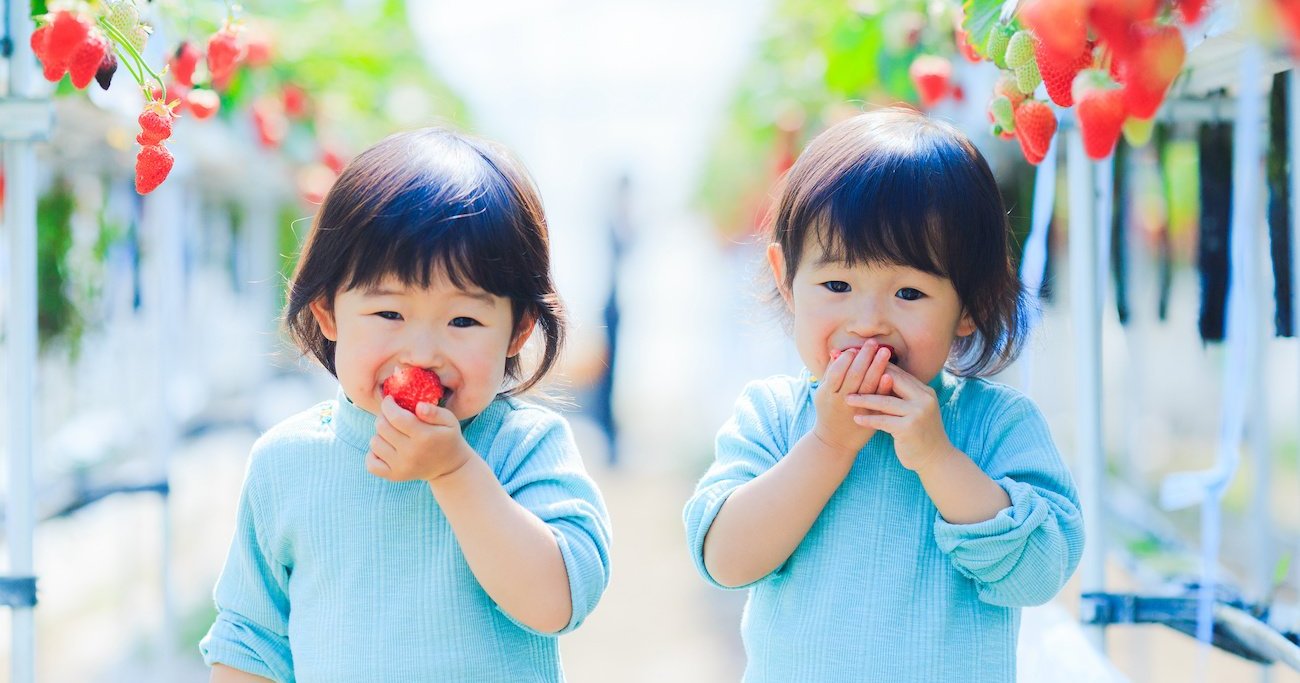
column 544, row 473
column 251, row 629
column 1026, row 553
column 747, row 445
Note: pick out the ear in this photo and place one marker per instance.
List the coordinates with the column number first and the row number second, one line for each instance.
column 525, row 330
column 776, row 261
column 965, row 326
column 325, row 319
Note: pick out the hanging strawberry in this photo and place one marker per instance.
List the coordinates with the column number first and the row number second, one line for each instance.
column 932, row 76
column 1100, row 110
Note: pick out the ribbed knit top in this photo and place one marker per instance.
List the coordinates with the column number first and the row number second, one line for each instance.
column 882, row 588
column 337, row 575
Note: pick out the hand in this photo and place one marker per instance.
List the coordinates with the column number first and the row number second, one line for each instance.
column 408, row 448
column 856, row 371
column 908, row 409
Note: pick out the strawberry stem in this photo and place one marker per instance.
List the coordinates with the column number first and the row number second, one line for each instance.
column 141, row 66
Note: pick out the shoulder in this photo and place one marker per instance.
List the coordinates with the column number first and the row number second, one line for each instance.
column 306, row 429
column 775, row 395
column 511, row 423
column 988, row 394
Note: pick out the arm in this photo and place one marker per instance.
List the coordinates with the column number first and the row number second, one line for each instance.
column 225, row 674
column 513, row 553
column 535, row 538
column 765, row 519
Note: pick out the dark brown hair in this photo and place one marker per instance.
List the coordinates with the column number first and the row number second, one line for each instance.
column 423, row 204
column 896, row 187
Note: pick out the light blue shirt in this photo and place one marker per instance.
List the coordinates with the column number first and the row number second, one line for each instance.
column 337, row 575
column 882, row 588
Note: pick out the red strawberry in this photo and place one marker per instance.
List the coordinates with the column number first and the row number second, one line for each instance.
column 411, row 386
column 1114, row 21
column 1058, row 75
column 85, row 61
column 183, row 62
column 931, row 75
column 965, row 48
column 1289, row 14
column 295, row 101
column 155, row 123
column 225, row 50
column 1060, row 24
column 1148, row 72
column 67, row 32
column 270, row 123
column 152, row 165
column 1100, row 110
column 202, row 103
column 333, row 160
column 1006, row 87
column 39, row 36
column 1035, row 126
column 1191, row 10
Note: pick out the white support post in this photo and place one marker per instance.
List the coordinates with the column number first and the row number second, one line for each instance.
column 1293, row 150
column 20, row 342
column 1086, row 317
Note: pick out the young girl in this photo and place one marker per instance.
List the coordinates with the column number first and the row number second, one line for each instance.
column 450, row 544
column 888, row 512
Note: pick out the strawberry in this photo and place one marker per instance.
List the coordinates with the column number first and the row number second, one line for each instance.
column 270, row 123
column 295, row 101
column 39, row 36
column 1192, row 10
column 152, row 164
column 333, row 159
column 932, row 77
column 107, row 67
column 183, row 62
column 996, row 47
column 1020, row 50
column 225, row 50
column 1060, row 24
column 1028, row 78
column 123, row 16
column 1114, row 22
column 155, row 123
column 1137, row 132
column 1058, row 75
column 1035, row 126
column 67, row 32
column 1100, row 110
column 1003, row 113
column 411, row 386
column 85, row 61
column 964, row 47
column 1289, row 14
column 1151, row 68
column 1006, row 87
column 202, row 103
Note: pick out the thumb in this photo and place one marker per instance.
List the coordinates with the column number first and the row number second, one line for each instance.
column 426, row 411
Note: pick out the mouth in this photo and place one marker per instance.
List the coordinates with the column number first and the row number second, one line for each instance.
column 893, row 355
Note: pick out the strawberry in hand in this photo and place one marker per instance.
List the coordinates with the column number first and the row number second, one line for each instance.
column 411, row 386
column 907, row 409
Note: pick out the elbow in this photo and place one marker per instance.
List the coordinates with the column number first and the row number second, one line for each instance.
column 551, row 621
column 725, row 573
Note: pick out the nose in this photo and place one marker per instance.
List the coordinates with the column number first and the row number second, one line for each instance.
column 868, row 319
column 424, row 347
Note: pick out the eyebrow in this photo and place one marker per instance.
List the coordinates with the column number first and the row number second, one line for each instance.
column 480, row 296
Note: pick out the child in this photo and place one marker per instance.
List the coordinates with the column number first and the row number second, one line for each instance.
column 449, row 545
column 888, row 516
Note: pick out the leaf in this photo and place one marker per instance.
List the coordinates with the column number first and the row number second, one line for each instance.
column 980, row 16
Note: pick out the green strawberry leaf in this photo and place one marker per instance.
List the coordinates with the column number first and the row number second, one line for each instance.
column 980, row 18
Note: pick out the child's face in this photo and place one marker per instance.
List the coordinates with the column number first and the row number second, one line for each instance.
column 463, row 335
column 837, row 306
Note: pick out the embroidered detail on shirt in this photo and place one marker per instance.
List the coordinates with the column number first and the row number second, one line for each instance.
column 326, row 413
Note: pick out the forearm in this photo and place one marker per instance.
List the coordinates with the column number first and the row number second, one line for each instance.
column 765, row 519
column 512, row 553
column 225, row 674
column 961, row 491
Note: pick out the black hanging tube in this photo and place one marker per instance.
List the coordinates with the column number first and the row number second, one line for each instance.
column 1216, row 212
column 1119, row 218
column 1279, row 206
column 1164, row 245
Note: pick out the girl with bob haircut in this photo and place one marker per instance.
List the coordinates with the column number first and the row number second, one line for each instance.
column 888, row 510
column 448, row 544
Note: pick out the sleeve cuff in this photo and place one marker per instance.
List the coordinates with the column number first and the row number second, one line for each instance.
column 236, row 643
column 987, row 551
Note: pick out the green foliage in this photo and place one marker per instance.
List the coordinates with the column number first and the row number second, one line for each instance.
column 56, row 314
column 979, row 18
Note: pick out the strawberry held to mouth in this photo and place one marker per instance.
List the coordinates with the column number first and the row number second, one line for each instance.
column 893, row 356
column 411, row 386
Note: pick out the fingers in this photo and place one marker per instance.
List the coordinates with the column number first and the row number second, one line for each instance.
column 376, row 466
column 905, row 384
column 862, row 361
column 886, row 385
column 837, row 369
column 400, row 418
column 891, row 424
column 871, row 379
column 889, row 405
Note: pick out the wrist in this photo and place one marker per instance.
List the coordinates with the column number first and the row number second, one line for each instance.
column 938, row 460
column 464, row 454
column 832, row 447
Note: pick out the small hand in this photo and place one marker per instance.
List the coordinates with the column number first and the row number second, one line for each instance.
column 855, row 371
column 908, row 409
column 409, row 448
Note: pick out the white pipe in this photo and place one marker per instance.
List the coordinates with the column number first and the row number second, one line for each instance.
column 1034, row 259
column 1293, row 149
column 21, row 344
column 1086, row 318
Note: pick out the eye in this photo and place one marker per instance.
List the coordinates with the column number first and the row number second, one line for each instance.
column 462, row 321
column 389, row 315
column 837, row 286
column 909, row 294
